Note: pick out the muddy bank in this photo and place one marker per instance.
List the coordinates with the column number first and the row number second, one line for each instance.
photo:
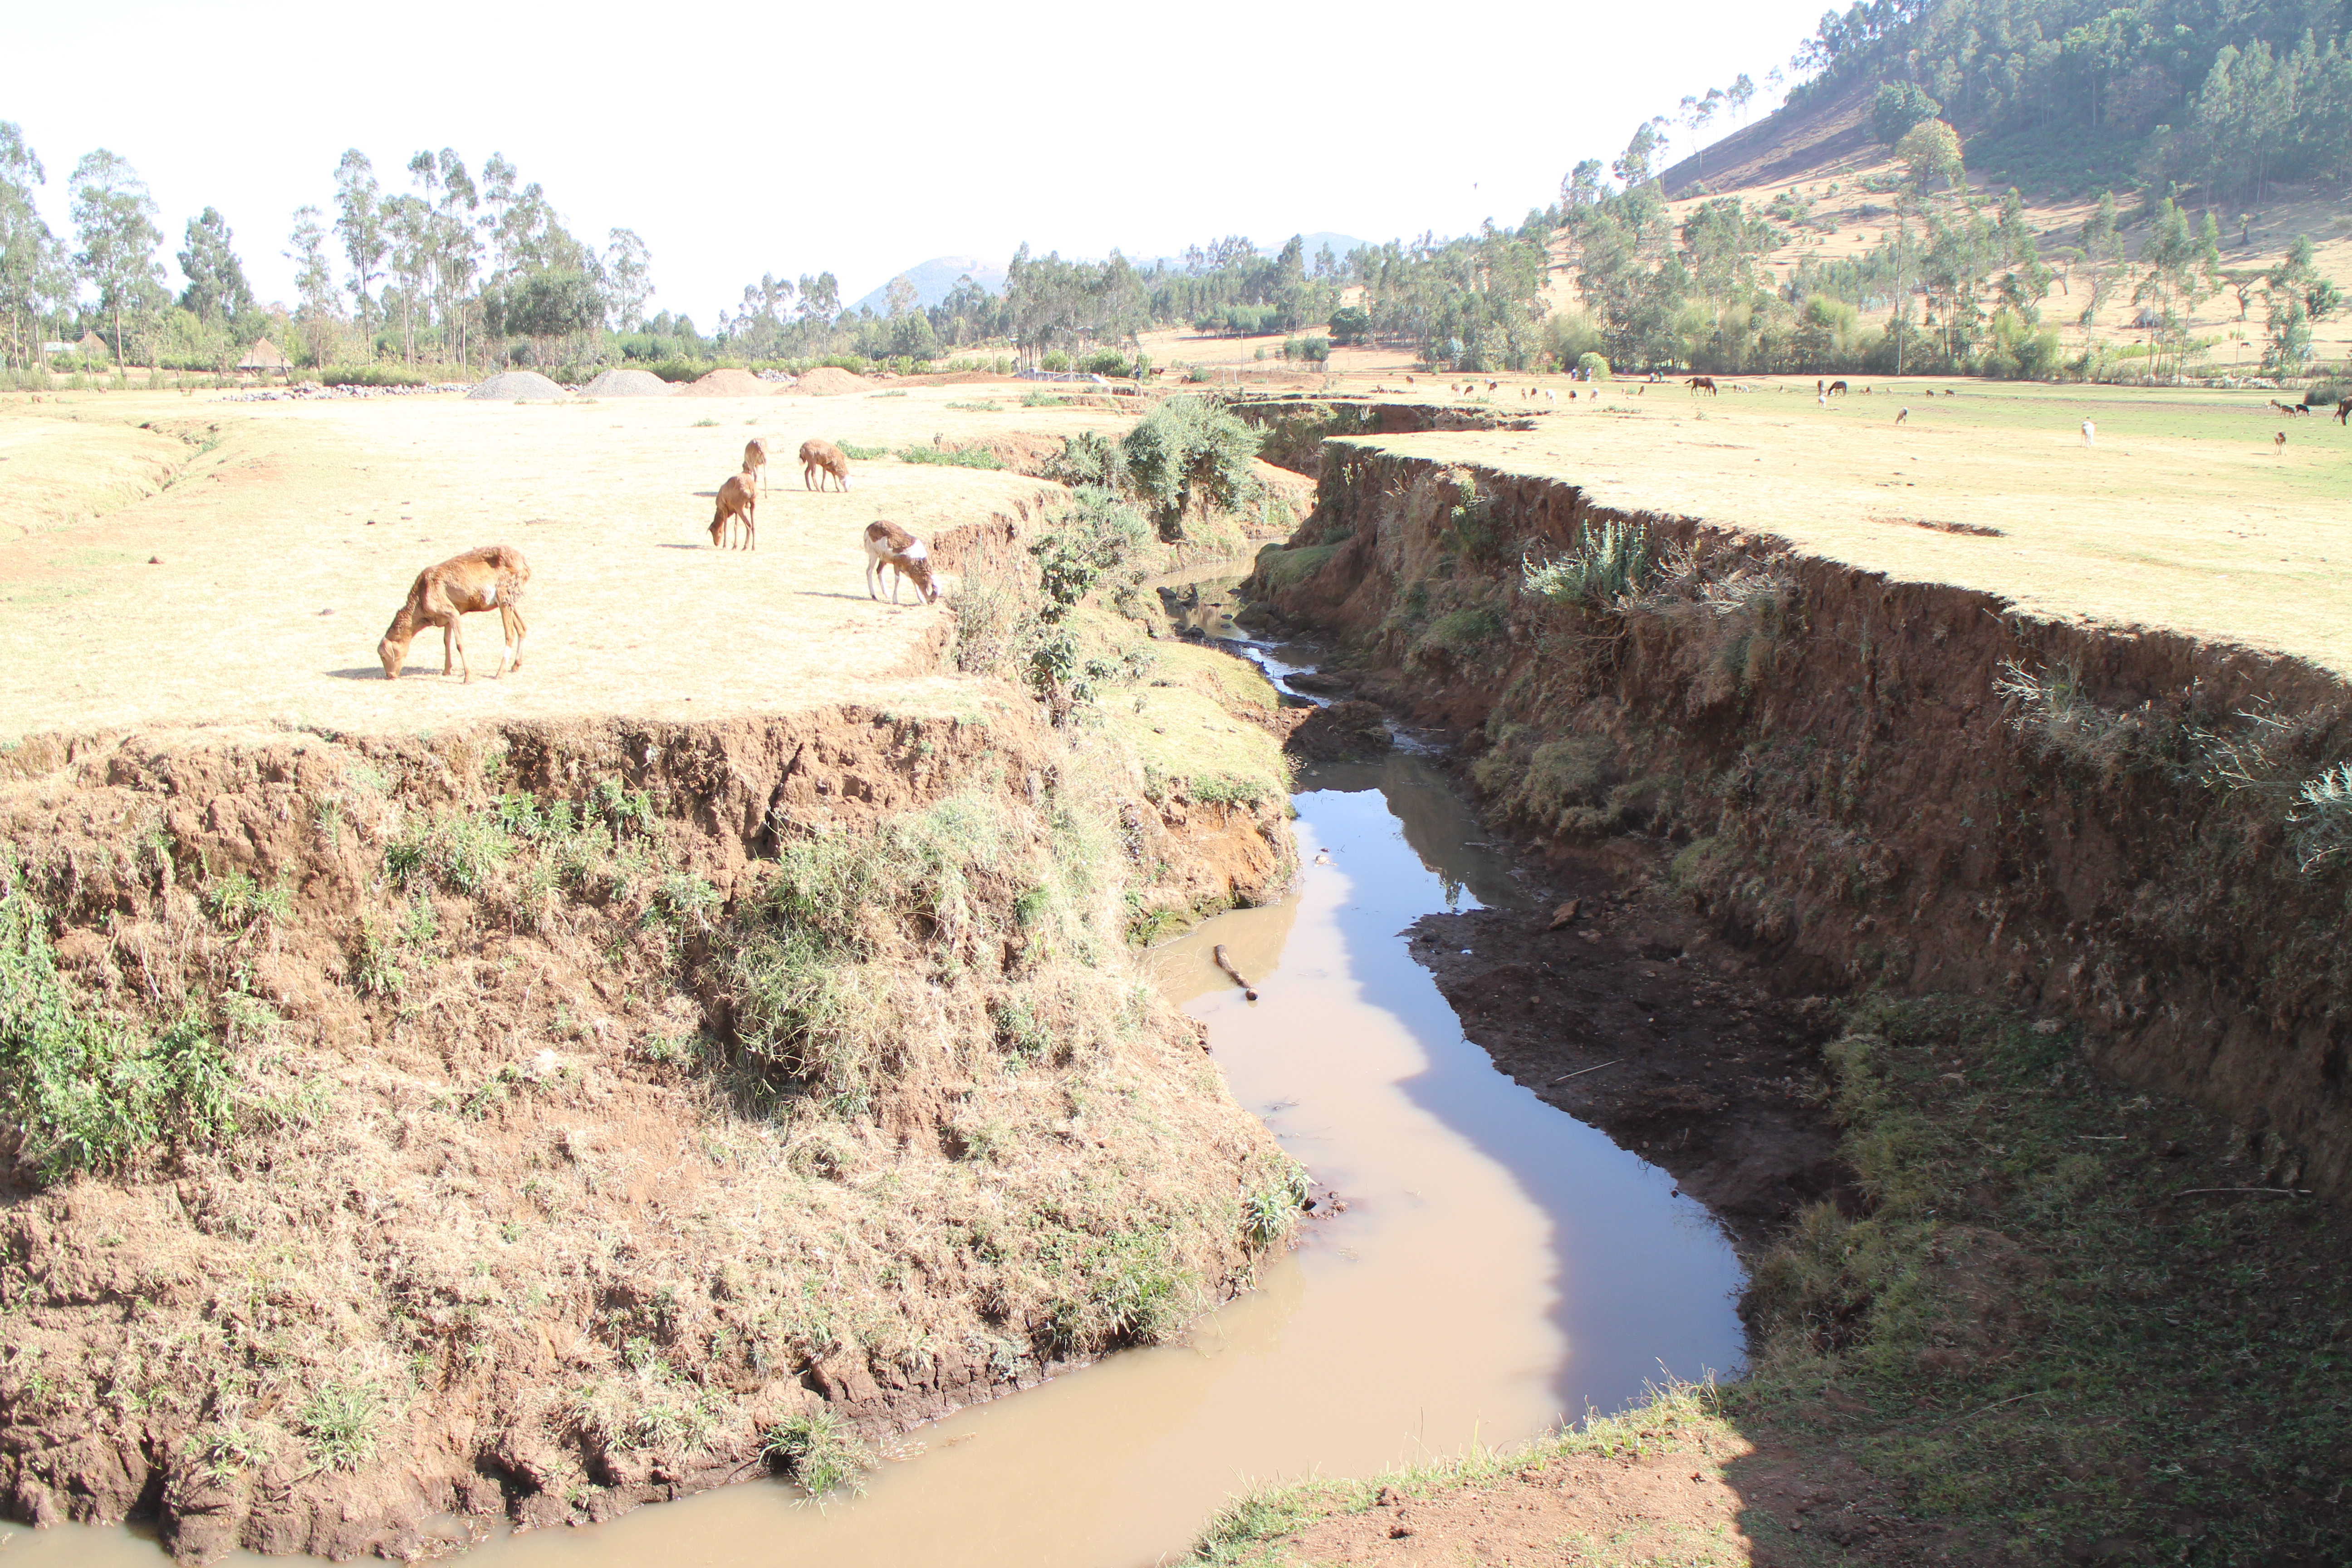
column 544, row 1120
column 1879, row 783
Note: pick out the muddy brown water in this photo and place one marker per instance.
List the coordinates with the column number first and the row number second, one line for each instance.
column 1500, row 1266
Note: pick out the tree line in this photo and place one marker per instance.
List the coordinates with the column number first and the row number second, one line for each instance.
column 452, row 269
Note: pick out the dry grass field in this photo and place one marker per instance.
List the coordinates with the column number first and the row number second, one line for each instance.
column 2183, row 515
column 237, row 562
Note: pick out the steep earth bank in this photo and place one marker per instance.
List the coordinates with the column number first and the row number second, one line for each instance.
column 548, row 1119
column 1879, row 783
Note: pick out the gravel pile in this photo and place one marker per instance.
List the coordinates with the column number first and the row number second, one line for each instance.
column 519, row 385
column 627, row 383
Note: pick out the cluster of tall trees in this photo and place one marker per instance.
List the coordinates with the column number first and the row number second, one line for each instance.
column 2228, row 98
column 449, row 268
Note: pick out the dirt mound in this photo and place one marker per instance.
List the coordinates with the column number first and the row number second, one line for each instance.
column 627, row 383
column 519, row 386
column 728, row 384
column 830, row 381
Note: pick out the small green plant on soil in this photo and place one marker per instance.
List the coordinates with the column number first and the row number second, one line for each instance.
column 1604, row 565
column 856, row 453
column 339, row 1421
column 819, row 1452
column 706, row 424
column 939, row 455
column 2321, row 818
column 87, row 1092
column 973, row 407
column 1045, row 400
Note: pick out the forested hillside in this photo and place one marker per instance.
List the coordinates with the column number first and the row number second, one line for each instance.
column 2223, row 97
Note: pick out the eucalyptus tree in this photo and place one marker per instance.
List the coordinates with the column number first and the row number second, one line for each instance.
column 217, row 291
column 319, row 312
column 628, row 278
column 114, row 218
column 359, row 223
column 33, row 279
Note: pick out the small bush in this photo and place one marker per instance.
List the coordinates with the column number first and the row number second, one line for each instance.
column 1604, row 567
column 2058, row 719
column 856, row 453
column 1594, row 366
column 85, row 1092
column 2321, row 818
column 950, row 456
column 1055, row 361
column 338, row 1420
column 819, row 1452
column 1191, row 457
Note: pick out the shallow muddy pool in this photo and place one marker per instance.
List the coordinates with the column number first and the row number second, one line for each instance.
column 1499, row 1264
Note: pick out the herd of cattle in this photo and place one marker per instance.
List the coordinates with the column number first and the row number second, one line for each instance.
column 495, row 576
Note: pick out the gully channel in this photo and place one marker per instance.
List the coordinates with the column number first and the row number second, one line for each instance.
column 1496, row 1266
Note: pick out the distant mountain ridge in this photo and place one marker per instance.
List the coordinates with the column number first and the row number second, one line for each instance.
column 934, row 279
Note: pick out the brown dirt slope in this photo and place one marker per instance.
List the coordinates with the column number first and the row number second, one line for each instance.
column 537, row 1180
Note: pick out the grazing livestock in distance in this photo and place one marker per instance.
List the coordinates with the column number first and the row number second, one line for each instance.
column 889, row 545
column 1699, row 383
column 823, row 456
column 1838, row 386
column 2342, row 409
column 737, row 498
column 755, row 459
column 490, row 578
column 1901, row 414
column 2278, row 444
column 2090, row 434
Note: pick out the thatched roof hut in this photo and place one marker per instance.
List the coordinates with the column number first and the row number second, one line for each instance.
column 91, row 343
column 264, row 355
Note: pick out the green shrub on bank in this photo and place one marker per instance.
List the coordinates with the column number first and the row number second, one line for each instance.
column 1604, row 566
column 819, row 1451
column 85, row 1092
column 856, row 453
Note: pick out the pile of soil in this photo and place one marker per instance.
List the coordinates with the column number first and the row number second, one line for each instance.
column 519, row 385
column 830, row 381
column 627, row 383
column 728, row 384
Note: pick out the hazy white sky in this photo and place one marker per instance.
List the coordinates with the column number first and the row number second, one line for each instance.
column 743, row 139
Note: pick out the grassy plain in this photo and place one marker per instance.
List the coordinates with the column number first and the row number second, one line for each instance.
column 237, row 563
column 2184, row 514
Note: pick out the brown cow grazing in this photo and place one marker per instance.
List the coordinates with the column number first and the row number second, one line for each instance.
column 822, row 456
column 755, row 459
column 889, row 545
column 737, row 498
column 1699, row 383
column 1901, row 414
column 490, row 578
column 1836, row 387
